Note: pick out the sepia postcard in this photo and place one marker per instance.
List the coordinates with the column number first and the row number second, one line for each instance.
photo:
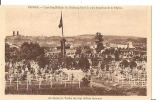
column 75, row 52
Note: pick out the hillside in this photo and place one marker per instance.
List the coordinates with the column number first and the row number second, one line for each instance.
column 81, row 39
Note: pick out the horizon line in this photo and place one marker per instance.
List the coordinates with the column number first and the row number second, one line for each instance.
column 74, row 35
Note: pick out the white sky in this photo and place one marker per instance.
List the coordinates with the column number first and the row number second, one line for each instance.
column 128, row 21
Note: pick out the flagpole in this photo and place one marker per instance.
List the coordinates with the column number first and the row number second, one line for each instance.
column 62, row 24
column 63, row 39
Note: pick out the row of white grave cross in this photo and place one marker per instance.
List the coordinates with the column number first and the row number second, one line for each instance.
column 129, row 80
column 50, row 81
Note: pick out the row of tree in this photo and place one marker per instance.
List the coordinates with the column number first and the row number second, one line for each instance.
column 27, row 52
column 33, row 51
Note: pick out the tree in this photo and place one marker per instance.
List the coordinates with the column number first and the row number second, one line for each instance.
column 106, row 53
column 98, row 41
column 30, row 51
column 69, row 62
column 95, row 61
column 105, row 63
column 132, row 64
column 112, row 50
column 33, row 51
column 87, row 50
column 116, row 54
column 84, row 63
column 11, row 53
column 7, row 52
column 41, row 61
column 125, row 63
column 78, row 51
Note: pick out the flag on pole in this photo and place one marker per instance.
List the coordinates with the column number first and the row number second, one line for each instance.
column 63, row 39
column 61, row 22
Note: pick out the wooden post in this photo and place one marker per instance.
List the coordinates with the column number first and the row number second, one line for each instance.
column 51, row 80
column 36, row 76
column 118, row 79
column 68, row 76
column 46, row 77
column 122, row 79
column 17, row 83
column 91, row 82
column 129, row 78
column 40, row 83
column 10, row 79
column 61, row 79
column 79, row 81
column 65, row 84
column 79, row 84
column 29, row 78
column 27, row 84
column 112, row 78
column 138, row 79
column 51, row 83
column 134, row 80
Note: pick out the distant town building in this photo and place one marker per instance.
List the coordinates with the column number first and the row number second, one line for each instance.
column 130, row 45
column 126, row 45
column 13, row 33
column 16, row 33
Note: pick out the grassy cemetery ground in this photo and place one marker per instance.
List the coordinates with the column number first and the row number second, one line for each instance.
column 73, row 89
